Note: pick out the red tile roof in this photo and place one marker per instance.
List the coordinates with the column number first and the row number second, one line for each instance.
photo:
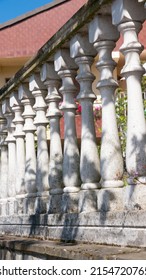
column 25, row 37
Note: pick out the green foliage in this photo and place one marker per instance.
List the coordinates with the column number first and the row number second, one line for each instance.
column 121, row 113
column 143, row 85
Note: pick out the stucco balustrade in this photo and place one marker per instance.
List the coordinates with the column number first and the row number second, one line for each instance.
column 57, row 183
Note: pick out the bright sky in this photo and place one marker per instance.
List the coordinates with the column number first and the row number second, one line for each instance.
column 10, row 9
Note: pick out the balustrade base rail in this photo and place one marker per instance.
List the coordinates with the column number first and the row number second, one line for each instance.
column 120, row 219
column 127, row 228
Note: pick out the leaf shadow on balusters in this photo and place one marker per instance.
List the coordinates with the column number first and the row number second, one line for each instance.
column 30, row 184
column 86, row 203
column 42, row 169
column 110, row 161
column 51, row 204
column 46, row 207
column 56, row 183
column 71, row 176
column 69, row 212
column 38, row 218
column 107, row 199
column 66, row 221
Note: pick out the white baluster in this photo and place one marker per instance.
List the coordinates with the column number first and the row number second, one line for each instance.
column 52, row 81
column 30, row 160
column 3, row 165
column 103, row 35
column 84, row 53
column 42, row 168
column 66, row 69
column 19, row 135
column 129, row 20
column 11, row 156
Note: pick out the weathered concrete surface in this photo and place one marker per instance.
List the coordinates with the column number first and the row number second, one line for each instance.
column 122, row 228
column 28, row 248
column 122, row 223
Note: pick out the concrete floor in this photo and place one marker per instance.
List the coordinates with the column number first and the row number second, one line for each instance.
column 57, row 250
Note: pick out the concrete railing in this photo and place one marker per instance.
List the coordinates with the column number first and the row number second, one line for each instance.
column 69, row 191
